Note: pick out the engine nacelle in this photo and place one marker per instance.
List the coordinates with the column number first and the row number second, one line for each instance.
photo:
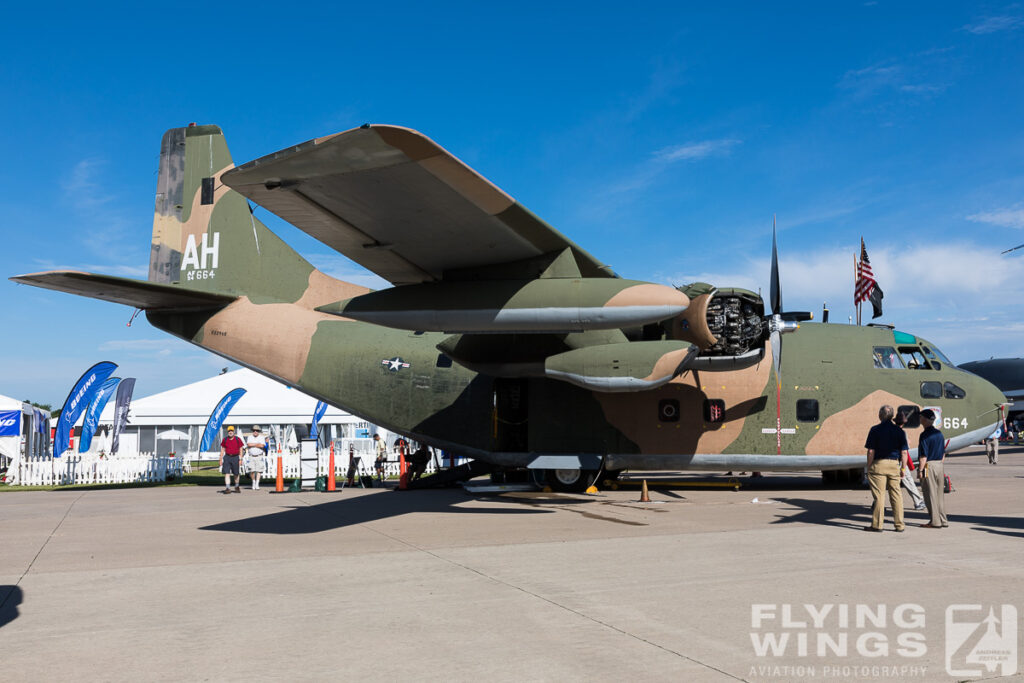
column 630, row 366
column 544, row 305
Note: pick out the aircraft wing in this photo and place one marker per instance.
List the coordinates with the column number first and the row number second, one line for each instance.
column 397, row 203
column 121, row 290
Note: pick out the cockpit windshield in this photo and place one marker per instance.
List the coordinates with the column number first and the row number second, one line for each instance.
column 933, row 351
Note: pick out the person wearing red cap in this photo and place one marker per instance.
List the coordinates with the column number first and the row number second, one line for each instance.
column 230, row 454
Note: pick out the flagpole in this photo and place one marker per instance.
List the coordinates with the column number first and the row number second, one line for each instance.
column 856, row 303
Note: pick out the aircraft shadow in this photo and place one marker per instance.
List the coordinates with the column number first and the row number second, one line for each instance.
column 850, row 515
column 336, row 514
column 10, row 598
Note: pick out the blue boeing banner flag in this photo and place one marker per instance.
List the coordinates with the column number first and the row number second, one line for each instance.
column 77, row 401
column 122, row 406
column 318, row 413
column 92, row 414
column 10, row 423
column 217, row 418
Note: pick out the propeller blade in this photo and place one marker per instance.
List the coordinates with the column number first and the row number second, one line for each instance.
column 776, row 290
column 797, row 316
column 776, row 341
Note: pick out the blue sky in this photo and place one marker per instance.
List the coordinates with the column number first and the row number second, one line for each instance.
column 662, row 137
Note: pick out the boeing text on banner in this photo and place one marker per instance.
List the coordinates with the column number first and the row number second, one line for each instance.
column 121, row 406
column 224, row 407
column 77, row 401
column 10, row 423
column 92, row 415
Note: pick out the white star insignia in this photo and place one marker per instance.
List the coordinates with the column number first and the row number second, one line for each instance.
column 394, row 364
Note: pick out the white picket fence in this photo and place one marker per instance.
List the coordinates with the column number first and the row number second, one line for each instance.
column 85, row 468
column 89, row 468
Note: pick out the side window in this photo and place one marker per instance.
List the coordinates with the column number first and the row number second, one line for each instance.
column 668, row 410
column 443, row 361
column 714, row 410
column 953, row 391
column 931, row 389
column 807, row 409
column 885, row 357
column 912, row 415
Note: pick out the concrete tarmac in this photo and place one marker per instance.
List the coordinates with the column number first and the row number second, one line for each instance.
column 185, row 583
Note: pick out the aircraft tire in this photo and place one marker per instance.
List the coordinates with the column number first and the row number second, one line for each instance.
column 571, row 481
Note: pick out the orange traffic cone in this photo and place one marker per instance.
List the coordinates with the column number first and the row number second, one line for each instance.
column 330, row 468
column 403, row 472
column 644, row 498
column 280, row 474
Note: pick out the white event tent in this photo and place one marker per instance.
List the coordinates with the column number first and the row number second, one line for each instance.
column 174, row 420
column 24, row 430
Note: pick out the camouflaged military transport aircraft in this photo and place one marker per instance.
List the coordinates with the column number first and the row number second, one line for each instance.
column 501, row 339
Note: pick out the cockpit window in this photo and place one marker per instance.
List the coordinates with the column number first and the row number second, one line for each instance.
column 886, row 358
column 932, row 358
column 913, row 357
column 953, row 391
column 942, row 356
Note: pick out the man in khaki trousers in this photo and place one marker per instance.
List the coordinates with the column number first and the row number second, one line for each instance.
column 931, row 452
column 888, row 453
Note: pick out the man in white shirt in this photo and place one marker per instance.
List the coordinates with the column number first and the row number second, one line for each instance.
column 256, row 447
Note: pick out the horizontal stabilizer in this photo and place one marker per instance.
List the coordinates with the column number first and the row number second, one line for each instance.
column 122, row 290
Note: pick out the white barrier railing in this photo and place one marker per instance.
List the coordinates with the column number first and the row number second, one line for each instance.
column 290, row 464
column 91, row 469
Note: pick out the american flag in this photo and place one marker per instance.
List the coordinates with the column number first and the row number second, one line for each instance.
column 865, row 278
column 866, row 287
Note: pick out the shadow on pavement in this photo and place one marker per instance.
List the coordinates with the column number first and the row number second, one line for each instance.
column 10, row 598
column 311, row 519
column 851, row 515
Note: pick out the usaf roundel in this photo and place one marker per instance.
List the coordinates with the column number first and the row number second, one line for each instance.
column 394, row 364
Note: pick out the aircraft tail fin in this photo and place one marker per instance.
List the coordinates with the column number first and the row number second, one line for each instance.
column 205, row 236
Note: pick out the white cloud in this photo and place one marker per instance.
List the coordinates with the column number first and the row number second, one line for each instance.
column 1006, row 218
column 865, row 81
column 958, row 295
column 693, row 151
column 82, row 189
column 646, row 173
column 993, row 25
column 923, row 89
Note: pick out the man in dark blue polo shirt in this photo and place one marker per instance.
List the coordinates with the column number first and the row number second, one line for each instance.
column 931, row 451
column 888, row 453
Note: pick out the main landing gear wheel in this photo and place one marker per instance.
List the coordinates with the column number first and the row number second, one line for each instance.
column 571, row 481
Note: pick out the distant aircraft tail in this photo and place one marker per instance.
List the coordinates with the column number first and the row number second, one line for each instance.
column 204, row 234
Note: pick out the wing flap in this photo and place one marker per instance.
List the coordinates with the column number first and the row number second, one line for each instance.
column 395, row 202
column 120, row 290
